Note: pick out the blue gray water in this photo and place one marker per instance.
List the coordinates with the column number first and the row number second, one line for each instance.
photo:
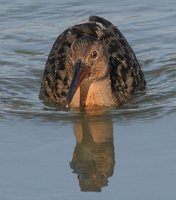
column 126, row 153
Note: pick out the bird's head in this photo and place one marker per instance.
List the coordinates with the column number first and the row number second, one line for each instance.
column 87, row 61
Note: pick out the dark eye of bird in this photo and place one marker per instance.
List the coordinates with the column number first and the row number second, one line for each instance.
column 94, row 55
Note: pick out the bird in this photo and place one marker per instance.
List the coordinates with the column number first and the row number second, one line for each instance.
column 91, row 64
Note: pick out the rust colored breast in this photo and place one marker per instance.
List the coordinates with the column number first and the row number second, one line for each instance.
column 99, row 93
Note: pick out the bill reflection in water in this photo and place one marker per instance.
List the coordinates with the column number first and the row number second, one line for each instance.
column 93, row 158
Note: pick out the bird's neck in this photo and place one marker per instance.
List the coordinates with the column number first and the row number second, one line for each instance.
column 94, row 93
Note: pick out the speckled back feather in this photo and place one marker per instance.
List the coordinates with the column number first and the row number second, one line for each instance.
column 125, row 72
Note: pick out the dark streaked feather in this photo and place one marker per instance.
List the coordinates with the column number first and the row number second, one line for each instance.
column 125, row 72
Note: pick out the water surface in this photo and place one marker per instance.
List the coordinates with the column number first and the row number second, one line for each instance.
column 126, row 153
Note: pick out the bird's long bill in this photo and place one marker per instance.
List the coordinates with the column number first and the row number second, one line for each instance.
column 80, row 73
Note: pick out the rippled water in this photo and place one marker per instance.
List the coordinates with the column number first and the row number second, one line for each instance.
column 29, row 29
column 27, row 32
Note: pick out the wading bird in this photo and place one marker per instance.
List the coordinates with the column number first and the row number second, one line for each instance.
column 91, row 64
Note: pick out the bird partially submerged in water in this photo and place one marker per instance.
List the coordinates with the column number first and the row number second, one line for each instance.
column 91, row 64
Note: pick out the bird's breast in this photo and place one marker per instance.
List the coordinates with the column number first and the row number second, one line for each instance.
column 98, row 93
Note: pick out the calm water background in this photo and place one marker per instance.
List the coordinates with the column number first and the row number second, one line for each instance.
column 37, row 143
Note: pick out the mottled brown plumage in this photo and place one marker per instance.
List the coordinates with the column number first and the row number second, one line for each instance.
column 91, row 64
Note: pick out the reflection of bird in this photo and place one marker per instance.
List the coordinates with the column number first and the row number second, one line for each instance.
column 93, row 163
column 94, row 157
column 91, row 64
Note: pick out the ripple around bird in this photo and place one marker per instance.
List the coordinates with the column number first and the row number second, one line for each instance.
column 35, row 144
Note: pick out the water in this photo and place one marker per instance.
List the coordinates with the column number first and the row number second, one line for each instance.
column 127, row 153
